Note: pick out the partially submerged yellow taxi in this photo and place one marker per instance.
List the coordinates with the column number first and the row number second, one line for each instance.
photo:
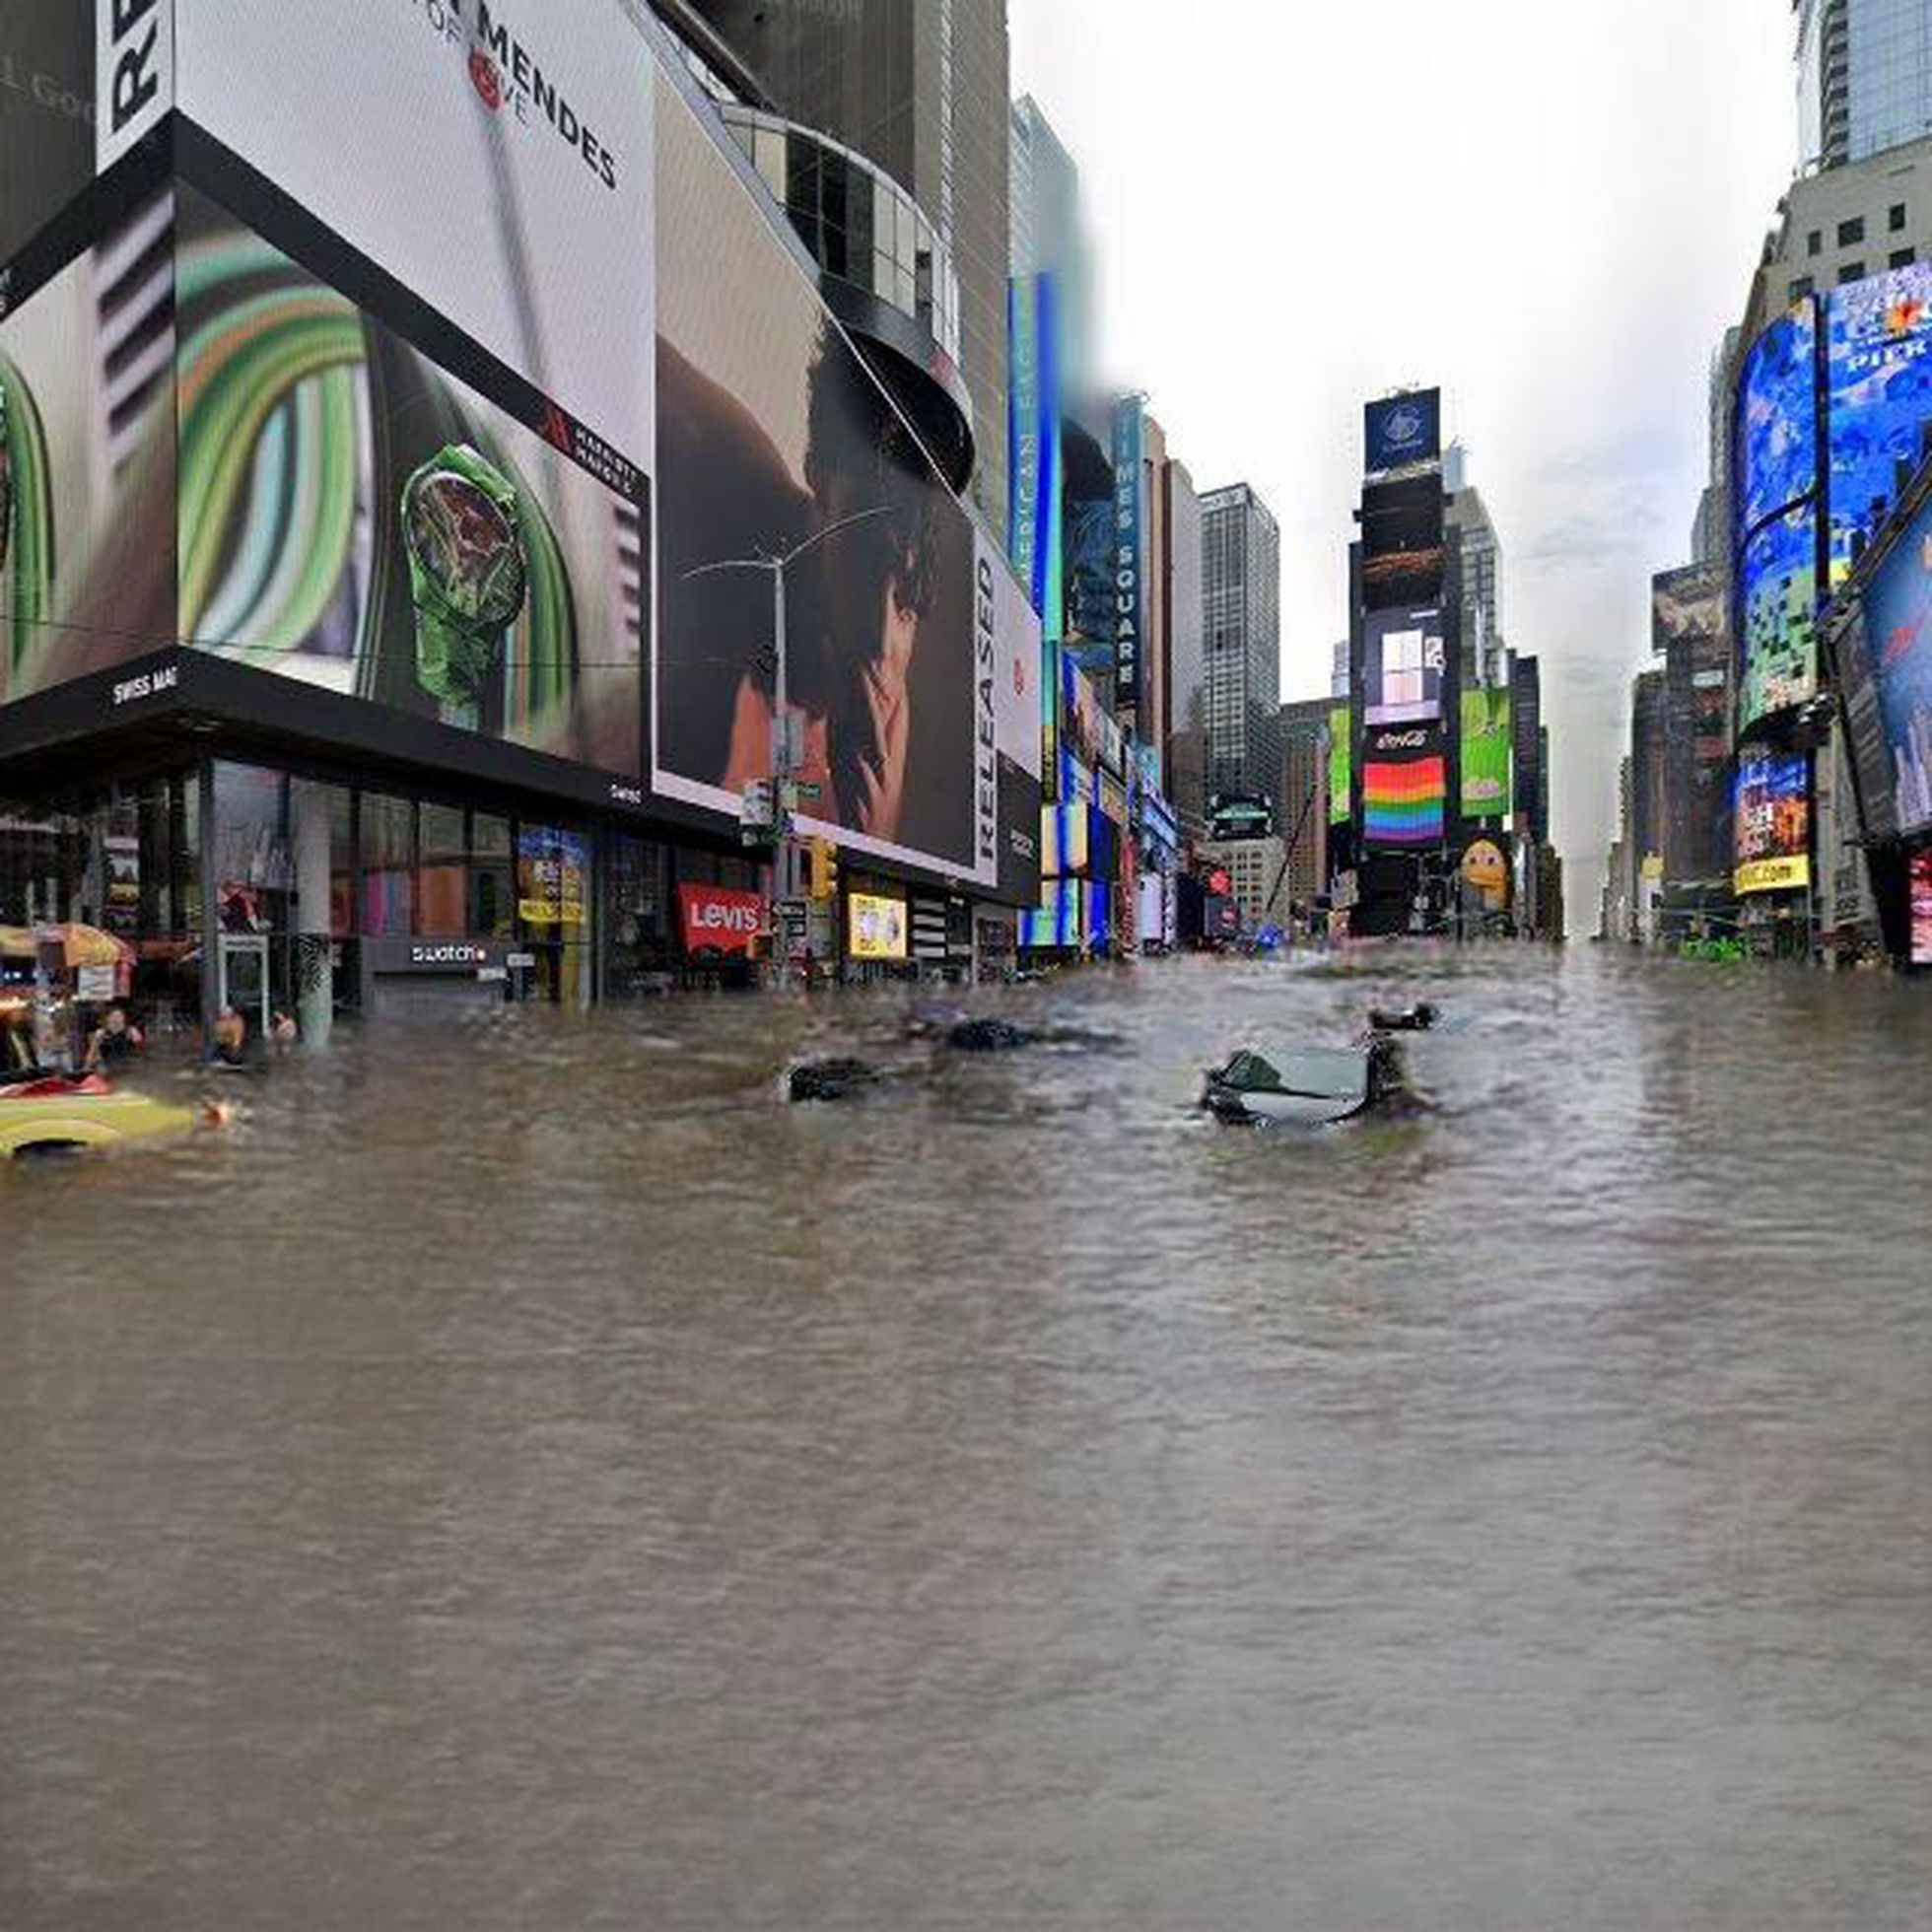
column 72, row 1114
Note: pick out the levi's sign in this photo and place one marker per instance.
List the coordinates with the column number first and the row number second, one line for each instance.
column 716, row 919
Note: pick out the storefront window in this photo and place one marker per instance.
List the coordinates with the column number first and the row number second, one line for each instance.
column 388, row 860
column 492, row 878
column 637, row 937
column 251, row 849
column 441, row 879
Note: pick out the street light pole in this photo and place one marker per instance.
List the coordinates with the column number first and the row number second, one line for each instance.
column 784, row 868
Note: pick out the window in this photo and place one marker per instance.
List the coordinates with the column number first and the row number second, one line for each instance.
column 1851, row 232
column 1852, row 271
column 1801, row 287
column 1903, row 257
column 389, row 857
column 1814, row 242
column 1897, row 217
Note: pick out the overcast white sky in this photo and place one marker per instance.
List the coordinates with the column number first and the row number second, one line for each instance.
column 1551, row 207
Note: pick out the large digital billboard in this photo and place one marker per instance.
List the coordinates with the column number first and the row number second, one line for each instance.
column 775, row 440
column 1772, row 819
column 1341, row 769
column 1777, row 417
column 86, row 463
column 1779, row 597
column 1402, row 658
column 81, row 82
column 1486, row 753
column 1685, row 603
column 355, row 516
column 1401, row 541
column 1898, row 643
column 1878, row 382
column 496, row 157
column 1405, row 786
column 1918, row 887
column 1398, row 431
column 1034, row 463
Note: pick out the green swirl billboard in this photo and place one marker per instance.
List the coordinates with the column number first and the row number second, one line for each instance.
column 1485, row 789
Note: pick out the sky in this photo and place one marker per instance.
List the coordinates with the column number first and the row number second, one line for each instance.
column 1551, row 208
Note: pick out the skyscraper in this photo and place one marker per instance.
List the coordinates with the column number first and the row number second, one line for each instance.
column 1303, row 818
column 1046, row 234
column 1864, row 77
column 921, row 88
column 1241, row 598
column 1482, row 585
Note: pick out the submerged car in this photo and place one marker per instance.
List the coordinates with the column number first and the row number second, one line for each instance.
column 1314, row 1088
column 60, row 1113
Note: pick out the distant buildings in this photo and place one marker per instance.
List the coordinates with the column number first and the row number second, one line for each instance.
column 1241, row 593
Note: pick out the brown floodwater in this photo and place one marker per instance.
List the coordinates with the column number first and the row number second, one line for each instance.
column 526, row 1476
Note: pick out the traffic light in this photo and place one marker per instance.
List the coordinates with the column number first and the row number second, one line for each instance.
column 822, row 869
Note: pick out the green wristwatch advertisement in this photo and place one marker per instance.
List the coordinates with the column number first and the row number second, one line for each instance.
column 468, row 575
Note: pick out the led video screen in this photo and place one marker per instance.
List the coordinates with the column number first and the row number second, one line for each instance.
column 1486, row 754
column 356, row 516
column 1401, row 429
column 1402, row 658
column 86, row 463
column 1341, row 766
column 1405, row 786
column 1403, row 516
column 1779, row 592
column 1773, row 821
column 774, row 440
column 46, row 114
column 1919, row 886
column 1898, row 643
column 1777, row 417
column 1878, row 397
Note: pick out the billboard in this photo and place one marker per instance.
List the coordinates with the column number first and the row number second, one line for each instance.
column 87, row 463
column 1401, row 541
column 1898, row 653
column 1685, row 603
column 1130, row 594
column 356, row 516
column 1341, row 766
column 1033, row 445
column 81, row 82
column 1778, row 591
column 1405, row 786
column 523, row 210
column 1919, row 887
column 1401, row 429
column 1486, row 753
column 1059, row 921
column 1777, row 417
column 876, row 926
column 1773, row 818
column 1403, row 659
column 1878, row 381
column 774, row 440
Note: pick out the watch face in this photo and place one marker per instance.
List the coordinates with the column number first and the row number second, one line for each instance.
column 467, row 546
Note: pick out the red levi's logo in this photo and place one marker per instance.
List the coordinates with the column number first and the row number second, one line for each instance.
column 720, row 919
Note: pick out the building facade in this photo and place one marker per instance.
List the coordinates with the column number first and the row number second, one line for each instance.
column 375, row 625
column 1303, row 819
column 1241, row 611
column 1479, row 552
column 1864, row 79
column 919, row 86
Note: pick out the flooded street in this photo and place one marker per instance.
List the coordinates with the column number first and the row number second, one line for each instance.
column 527, row 1477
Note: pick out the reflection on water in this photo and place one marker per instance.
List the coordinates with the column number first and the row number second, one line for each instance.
column 527, row 1477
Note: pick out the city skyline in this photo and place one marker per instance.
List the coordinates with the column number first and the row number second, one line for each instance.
column 1607, row 325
